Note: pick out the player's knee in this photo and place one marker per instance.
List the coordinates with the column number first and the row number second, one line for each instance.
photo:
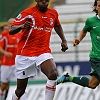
column 4, row 86
column 53, row 75
column 19, row 92
column 93, row 86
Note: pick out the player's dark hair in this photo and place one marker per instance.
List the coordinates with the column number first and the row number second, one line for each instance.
column 94, row 7
column 2, row 27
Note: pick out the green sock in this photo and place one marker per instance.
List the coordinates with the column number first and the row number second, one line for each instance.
column 83, row 81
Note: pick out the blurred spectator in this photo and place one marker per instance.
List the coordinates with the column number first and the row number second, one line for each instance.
column 0, row 29
column 4, row 27
column 8, row 48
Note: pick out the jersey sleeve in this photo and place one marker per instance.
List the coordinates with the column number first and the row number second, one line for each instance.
column 2, row 43
column 87, row 25
column 21, row 18
column 57, row 21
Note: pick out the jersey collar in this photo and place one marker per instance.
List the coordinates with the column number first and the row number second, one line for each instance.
column 98, row 17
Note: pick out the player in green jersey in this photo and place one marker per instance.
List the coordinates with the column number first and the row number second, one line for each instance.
column 92, row 25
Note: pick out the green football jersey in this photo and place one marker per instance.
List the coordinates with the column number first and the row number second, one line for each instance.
column 92, row 25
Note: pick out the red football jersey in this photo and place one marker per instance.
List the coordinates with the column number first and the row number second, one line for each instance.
column 9, row 43
column 36, row 41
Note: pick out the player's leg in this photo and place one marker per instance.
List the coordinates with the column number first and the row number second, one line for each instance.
column 94, row 82
column 20, row 90
column 22, row 78
column 11, row 76
column 2, row 90
column 6, row 93
column 48, row 67
column 83, row 81
column 25, row 68
column 95, row 79
column 4, row 81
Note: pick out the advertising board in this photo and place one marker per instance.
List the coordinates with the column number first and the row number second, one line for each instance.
column 66, row 91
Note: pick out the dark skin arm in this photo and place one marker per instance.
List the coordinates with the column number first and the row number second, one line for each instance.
column 16, row 29
column 59, row 31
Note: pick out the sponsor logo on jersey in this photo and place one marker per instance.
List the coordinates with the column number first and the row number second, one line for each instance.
column 44, row 17
column 46, row 29
column 98, row 37
column 19, row 16
column 95, row 27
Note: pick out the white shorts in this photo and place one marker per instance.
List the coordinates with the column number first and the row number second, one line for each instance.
column 27, row 66
column 7, row 73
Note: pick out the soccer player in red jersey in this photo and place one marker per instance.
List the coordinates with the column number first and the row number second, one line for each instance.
column 34, row 50
column 8, row 49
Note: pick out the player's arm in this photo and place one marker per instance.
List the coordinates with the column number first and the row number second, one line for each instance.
column 59, row 31
column 79, row 38
column 8, row 54
column 15, row 29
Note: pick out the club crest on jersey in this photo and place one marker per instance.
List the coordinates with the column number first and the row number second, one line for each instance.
column 19, row 16
column 51, row 21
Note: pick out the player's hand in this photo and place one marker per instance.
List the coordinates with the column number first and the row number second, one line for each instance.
column 64, row 46
column 8, row 54
column 27, row 25
column 76, row 42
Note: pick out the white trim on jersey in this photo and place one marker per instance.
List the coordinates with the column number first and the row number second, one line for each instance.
column 6, row 42
column 33, row 21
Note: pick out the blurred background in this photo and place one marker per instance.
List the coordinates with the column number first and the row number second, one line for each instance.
column 72, row 15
